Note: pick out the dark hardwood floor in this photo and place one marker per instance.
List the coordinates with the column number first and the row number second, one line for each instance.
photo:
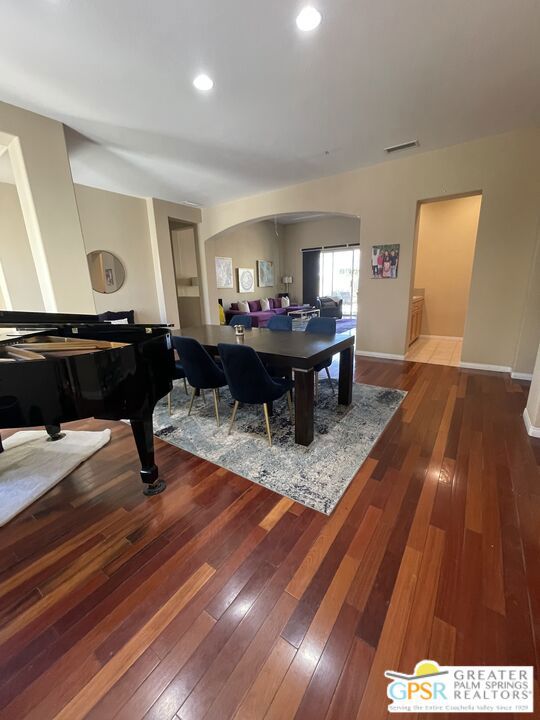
column 220, row 599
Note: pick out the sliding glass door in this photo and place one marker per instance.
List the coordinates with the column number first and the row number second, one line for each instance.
column 339, row 277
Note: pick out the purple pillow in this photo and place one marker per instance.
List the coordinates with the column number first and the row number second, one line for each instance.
column 277, row 302
column 234, row 306
column 254, row 305
column 271, row 303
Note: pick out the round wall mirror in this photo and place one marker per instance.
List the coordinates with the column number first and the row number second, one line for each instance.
column 106, row 271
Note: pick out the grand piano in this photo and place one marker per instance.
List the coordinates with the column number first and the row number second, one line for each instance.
column 55, row 368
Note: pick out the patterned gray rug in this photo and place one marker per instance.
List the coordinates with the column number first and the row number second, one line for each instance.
column 316, row 476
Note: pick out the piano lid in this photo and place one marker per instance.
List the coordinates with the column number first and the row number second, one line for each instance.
column 12, row 335
column 22, row 319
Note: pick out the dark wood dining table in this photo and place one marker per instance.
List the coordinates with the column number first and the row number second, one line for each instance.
column 298, row 351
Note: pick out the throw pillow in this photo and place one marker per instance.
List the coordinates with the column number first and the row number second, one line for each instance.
column 265, row 305
column 254, row 305
column 285, row 302
column 243, row 306
column 234, row 306
column 277, row 303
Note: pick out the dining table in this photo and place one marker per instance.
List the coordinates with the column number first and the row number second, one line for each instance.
column 297, row 353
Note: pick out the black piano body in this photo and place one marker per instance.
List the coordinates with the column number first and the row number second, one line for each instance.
column 106, row 371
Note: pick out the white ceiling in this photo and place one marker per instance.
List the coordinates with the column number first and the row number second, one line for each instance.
column 286, row 106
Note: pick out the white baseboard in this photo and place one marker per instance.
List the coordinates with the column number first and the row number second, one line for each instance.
column 464, row 365
column 483, row 366
column 521, row 376
column 531, row 429
column 383, row 356
column 441, row 337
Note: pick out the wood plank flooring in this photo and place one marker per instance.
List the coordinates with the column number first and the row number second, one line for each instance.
column 220, row 599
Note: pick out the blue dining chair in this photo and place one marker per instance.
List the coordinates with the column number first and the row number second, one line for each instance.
column 280, row 322
column 201, row 371
column 245, row 320
column 322, row 326
column 179, row 374
column 249, row 381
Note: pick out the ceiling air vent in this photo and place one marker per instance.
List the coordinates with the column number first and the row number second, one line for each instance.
column 401, row 146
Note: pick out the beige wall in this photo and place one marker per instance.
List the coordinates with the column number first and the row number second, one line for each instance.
column 22, row 287
column 444, row 261
column 245, row 245
column 319, row 232
column 38, row 154
column 529, row 336
column 385, row 196
column 109, row 221
column 119, row 224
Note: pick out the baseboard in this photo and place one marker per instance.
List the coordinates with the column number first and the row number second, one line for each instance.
column 441, row 337
column 383, row 356
column 483, row 366
column 464, row 365
column 531, row 429
column 521, row 376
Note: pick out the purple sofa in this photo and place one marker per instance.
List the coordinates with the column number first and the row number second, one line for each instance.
column 260, row 317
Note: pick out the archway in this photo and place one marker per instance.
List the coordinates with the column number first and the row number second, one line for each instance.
column 282, row 240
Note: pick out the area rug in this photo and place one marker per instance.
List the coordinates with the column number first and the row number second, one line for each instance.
column 31, row 464
column 316, row 476
column 345, row 324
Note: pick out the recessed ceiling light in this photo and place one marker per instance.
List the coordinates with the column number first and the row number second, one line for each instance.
column 308, row 19
column 203, row 82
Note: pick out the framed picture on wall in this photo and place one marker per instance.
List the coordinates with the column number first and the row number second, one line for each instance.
column 246, row 280
column 265, row 273
column 224, row 273
column 384, row 262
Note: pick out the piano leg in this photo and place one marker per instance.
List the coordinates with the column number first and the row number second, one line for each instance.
column 144, row 439
column 54, row 433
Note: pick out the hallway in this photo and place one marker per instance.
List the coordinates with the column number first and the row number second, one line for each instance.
column 436, row 350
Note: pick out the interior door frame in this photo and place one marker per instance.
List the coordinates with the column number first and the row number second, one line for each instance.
column 419, row 203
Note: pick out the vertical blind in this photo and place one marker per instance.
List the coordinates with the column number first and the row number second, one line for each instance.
column 311, row 269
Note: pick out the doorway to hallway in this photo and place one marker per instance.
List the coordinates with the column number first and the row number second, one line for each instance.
column 445, row 246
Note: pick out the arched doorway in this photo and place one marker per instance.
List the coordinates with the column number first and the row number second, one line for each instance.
column 286, row 240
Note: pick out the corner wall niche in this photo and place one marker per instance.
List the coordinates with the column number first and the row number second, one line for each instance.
column 186, row 270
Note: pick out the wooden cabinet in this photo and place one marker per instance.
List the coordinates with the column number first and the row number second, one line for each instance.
column 415, row 324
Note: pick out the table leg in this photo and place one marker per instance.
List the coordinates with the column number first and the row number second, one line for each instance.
column 345, row 376
column 303, row 421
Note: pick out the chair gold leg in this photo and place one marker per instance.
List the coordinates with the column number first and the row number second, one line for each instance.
column 185, row 386
column 330, row 379
column 193, row 391
column 316, row 376
column 289, row 401
column 203, row 396
column 267, row 419
column 169, row 403
column 216, row 406
column 233, row 416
